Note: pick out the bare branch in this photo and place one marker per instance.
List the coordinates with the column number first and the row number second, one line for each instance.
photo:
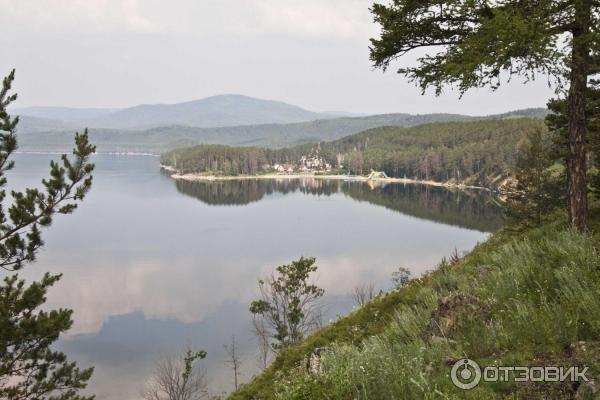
column 363, row 293
column 177, row 378
column 233, row 360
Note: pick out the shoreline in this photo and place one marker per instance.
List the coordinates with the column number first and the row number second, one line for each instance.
column 195, row 177
column 109, row 153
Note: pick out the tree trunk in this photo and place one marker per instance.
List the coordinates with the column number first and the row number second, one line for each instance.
column 576, row 158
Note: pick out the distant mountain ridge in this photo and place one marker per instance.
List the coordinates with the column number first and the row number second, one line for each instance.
column 64, row 114
column 210, row 112
column 228, row 110
column 228, row 119
column 160, row 139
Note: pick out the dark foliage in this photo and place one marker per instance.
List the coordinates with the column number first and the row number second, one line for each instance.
column 558, row 121
column 29, row 368
column 536, row 192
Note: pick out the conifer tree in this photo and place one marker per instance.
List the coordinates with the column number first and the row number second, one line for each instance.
column 30, row 369
column 593, row 117
column 537, row 191
column 557, row 121
column 476, row 43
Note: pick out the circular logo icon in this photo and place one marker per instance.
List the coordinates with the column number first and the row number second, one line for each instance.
column 465, row 374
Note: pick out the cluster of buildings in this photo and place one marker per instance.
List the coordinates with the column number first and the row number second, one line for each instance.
column 310, row 163
column 284, row 167
column 314, row 163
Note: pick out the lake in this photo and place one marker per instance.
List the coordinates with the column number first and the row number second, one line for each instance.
column 152, row 265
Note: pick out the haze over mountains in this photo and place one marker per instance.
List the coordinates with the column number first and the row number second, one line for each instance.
column 64, row 113
column 225, row 119
column 210, row 112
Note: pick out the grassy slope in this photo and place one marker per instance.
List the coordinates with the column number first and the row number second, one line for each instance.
column 518, row 299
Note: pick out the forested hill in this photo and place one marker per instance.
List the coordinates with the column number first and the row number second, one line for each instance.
column 215, row 111
column 479, row 152
column 47, row 134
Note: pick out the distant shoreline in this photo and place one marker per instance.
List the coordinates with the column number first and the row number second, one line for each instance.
column 354, row 178
column 109, row 153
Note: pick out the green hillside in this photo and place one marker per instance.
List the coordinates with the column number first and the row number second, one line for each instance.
column 469, row 152
column 528, row 299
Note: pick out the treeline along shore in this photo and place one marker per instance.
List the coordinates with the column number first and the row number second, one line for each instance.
column 477, row 154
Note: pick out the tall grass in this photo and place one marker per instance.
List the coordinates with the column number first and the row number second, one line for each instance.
column 528, row 302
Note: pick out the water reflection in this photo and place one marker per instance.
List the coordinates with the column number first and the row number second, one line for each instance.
column 148, row 270
column 469, row 209
column 246, row 191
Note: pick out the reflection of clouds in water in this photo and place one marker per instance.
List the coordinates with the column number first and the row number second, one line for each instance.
column 109, row 380
column 136, row 341
column 359, row 268
column 355, row 270
column 188, row 292
column 180, row 290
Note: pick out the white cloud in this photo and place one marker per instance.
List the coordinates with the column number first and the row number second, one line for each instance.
column 78, row 16
column 136, row 22
column 313, row 17
column 338, row 18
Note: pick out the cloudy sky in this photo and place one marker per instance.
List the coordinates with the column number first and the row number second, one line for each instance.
column 312, row 53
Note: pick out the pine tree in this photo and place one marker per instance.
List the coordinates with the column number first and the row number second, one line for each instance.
column 29, row 368
column 474, row 44
column 537, row 192
column 557, row 121
column 593, row 117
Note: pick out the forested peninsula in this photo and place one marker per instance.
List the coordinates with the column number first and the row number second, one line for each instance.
column 480, row 153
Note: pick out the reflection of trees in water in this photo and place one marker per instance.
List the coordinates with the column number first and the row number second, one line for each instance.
column 223, row 192
column 467, row 209
column 245, row 191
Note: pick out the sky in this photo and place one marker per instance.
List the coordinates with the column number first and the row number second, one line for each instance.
column 310, row 53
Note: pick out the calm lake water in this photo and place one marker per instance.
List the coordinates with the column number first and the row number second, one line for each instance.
column 152, row 265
